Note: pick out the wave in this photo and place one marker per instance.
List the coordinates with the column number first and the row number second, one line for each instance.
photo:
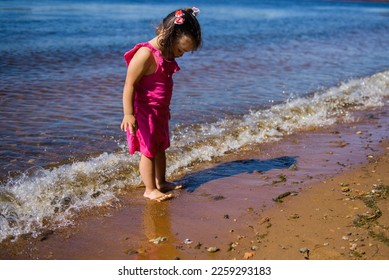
column 50, row 198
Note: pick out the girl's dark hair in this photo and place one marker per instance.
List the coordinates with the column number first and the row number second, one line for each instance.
column 169, row 32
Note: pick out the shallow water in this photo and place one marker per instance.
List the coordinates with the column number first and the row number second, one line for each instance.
column 267, row 69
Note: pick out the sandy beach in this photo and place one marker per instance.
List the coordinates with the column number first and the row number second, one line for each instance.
column 320, row 194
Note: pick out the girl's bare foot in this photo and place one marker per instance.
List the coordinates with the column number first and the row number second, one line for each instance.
column 156, row 195
column 168, row 186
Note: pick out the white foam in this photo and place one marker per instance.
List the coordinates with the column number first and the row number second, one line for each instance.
column 30, row 202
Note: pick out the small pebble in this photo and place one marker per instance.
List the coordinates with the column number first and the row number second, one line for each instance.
column 158, row 240
column 294, row 216
column 132, row 252
column 264, row 220
column 218, row 197
column 188, row 241
column 353, row 246
column 213, row 249
column 248, row 255
column 303, row 250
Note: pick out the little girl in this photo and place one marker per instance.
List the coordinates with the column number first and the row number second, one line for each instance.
column 147, row 93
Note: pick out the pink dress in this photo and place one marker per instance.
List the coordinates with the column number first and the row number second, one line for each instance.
column 151, row 105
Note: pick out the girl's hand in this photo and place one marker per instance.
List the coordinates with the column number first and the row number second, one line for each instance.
column 129, row 122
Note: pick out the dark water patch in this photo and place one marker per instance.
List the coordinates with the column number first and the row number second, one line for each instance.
column 195, row 180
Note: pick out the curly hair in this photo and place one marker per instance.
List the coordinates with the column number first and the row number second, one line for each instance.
column 169, row 32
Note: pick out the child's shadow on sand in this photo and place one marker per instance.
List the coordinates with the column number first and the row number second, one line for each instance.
column 227, row 169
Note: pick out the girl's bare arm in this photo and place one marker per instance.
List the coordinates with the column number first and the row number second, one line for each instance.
column 138, row 67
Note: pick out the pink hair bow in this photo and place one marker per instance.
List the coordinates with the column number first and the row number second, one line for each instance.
column 179, row 17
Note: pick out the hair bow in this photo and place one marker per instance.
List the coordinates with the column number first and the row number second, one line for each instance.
column 179, row 17
column 196, row 11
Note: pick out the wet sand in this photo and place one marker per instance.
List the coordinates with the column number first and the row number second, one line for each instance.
column 332, row 185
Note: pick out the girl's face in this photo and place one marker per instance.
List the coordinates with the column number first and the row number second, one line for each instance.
column 183, row 44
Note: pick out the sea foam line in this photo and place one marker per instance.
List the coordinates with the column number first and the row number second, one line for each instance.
column 336, row 104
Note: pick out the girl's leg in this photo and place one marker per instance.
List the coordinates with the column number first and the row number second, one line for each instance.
column 160, row 174
column 160, row 168
column 147, row 172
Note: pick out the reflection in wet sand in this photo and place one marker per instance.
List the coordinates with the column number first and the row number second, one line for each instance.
column 157, row 226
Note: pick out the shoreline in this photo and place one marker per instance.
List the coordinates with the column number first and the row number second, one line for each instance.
column 323, row 175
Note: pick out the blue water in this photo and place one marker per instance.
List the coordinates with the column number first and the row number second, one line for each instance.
column 274, row 66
